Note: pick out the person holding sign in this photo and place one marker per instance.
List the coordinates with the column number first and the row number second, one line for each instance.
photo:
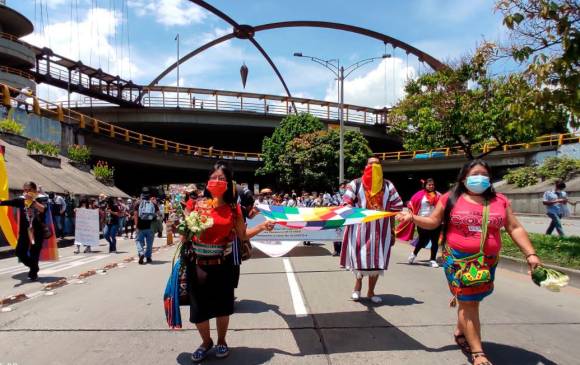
column 86, row 225
column 366, row 247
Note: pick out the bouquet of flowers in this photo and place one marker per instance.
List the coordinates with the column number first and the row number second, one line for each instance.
column 549, row 278
column 197, row 221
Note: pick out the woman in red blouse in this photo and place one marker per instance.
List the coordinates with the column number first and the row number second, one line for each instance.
column 210, row 268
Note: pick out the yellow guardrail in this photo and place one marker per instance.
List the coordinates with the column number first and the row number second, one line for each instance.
column 554, row 140
column 85, row 122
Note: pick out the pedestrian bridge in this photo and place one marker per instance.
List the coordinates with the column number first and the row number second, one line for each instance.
column 193, row 115
column 140, row 154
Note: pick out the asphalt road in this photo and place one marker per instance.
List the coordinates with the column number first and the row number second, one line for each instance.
column 292, row 310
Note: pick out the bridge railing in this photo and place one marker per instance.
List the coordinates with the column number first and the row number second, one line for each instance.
column 80, row 79
column 552, row 140
column 250, row 103
column 56, row 111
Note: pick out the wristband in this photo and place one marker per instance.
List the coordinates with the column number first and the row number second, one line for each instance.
column 532, row 254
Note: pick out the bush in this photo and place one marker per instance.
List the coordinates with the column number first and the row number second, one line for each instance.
column 78, row 153
column 11, row 126
column 559, row 168
column 522, row 177
column 103, row 172
column 36, row 147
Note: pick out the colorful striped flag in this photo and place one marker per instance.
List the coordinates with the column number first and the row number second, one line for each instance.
column 320, row 218
column 8, row 223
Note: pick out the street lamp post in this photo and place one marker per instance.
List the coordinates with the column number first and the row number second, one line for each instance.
column 339, row 72
column 177, row 39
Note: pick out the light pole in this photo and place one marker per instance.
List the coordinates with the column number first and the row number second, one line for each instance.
column 339, row 71
column 177, row 39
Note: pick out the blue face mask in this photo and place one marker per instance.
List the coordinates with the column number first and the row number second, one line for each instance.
column 477, row 184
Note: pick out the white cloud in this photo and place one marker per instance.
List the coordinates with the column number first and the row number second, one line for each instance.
column 383, row 85
column 92, row 40
column 169, row 12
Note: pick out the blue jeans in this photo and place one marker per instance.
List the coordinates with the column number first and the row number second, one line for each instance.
column 110, row 234
column 144, row 236
column 122, row 222
column 59, row 225
column 556, row 223
column 69, row 226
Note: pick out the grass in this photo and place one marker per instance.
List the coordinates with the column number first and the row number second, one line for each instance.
column 563, row 252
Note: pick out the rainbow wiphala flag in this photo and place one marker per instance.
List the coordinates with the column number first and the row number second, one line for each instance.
column 320, row 218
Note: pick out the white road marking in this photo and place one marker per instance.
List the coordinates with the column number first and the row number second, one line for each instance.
column 21, row 268
column 297, row 300
column 70, row 265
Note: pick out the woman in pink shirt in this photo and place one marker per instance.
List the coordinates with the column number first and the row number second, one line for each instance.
column 461, row 212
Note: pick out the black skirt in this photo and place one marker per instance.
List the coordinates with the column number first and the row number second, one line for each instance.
column 211, row 290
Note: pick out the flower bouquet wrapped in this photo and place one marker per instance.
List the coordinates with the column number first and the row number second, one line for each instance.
column 549, row 278
column 194, row 224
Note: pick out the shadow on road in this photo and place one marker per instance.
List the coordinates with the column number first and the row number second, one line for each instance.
column 159, row 262
column 23, row 277
column 238, row 355
column 365, row 331
column 505, row 354
column 343, row 332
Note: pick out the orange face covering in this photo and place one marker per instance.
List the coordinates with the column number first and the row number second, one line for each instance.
column 373, row 179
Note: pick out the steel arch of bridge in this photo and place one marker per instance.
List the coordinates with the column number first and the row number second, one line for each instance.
column 248, row 32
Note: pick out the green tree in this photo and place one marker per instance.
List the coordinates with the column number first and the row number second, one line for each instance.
column 545, row 37
column 463, row 106
column 290, row 127
column 310, row 161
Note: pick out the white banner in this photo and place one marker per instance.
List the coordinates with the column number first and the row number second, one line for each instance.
column 282, row 240
column 275, row 248
column 87, row 227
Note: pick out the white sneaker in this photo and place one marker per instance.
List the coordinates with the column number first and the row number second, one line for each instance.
column 355, row 296
column 434, row 263
column 376, row 299
column 411, row 258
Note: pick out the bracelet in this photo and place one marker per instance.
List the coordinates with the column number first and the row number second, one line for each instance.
column 532, row 254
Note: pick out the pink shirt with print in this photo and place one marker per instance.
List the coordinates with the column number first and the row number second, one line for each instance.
column 464, row 231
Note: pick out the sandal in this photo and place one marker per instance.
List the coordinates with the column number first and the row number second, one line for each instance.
column 461, row 341
column 475, row 355
column 222, row 351
column 201, row 353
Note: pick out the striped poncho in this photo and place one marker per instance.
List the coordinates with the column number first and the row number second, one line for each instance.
column 366, row 247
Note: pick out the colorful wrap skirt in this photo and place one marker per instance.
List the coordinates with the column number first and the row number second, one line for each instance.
column 474, row 293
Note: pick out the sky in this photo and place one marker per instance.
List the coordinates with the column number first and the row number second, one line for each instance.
column 136, row 40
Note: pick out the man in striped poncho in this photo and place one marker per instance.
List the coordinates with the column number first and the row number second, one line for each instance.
column 366, row 247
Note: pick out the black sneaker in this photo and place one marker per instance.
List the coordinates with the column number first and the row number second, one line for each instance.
column 149, row 260
column 33, row 276
column 141, row 258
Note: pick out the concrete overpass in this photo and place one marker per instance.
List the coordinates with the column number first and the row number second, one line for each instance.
column 230, row 130
column 499, row 159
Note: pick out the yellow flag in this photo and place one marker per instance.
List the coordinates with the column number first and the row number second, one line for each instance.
column 5, row 224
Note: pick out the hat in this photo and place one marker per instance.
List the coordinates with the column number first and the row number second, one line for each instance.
column 129, row 201
column 102, row 196
column 266, row 191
